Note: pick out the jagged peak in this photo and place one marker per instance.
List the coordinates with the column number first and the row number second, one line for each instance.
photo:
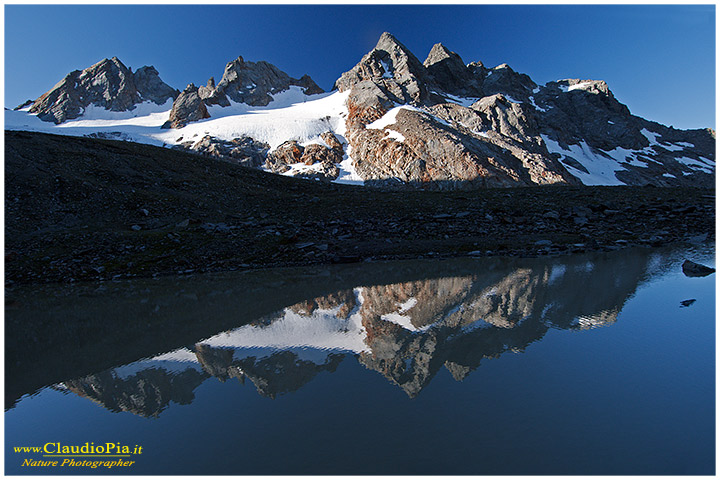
column 387, row 39
column 438, row 53
column 107, row 61
column 147, row 68
column 390, row 44
column 236, row 62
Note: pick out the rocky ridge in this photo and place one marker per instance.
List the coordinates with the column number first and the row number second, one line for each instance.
column 251, row 83
column 439, row 124
column 443, row 124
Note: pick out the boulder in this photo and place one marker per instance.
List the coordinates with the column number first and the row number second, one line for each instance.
column 288, row 153
column 244, row 151
column 332, row 141
column 319, row 153
column 692, row 269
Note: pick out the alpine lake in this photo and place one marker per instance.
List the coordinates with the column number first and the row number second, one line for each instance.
column 590, row 364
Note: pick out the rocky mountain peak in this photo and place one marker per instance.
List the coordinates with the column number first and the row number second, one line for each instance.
column 388, row 42
column 151, row 88
column 438, row 53
column 393, row 68
column 503, row 79
column 254, row 83
column 108, row 84
column 450, row 73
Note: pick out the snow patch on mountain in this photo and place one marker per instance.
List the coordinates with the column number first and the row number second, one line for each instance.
column 703, row 164
column 145, row 114
column 462, row 101
column 348, row 175
column 579, row 86
column 601, row 167
column 390, row 117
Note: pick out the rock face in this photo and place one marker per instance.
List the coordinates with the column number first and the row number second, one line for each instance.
column 241, row 150
column 322, row 160
column 443, row 124
column 187, row 107
column 108, row 84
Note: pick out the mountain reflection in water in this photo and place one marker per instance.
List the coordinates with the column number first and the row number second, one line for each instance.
column 404, row 320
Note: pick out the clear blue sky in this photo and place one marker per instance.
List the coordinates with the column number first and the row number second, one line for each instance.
column 659, row 60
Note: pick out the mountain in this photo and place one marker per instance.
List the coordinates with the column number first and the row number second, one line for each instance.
column 442, row 122
column 391, row 121
column 108, row 84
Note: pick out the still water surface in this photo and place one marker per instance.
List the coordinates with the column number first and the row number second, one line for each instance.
column 585, row 364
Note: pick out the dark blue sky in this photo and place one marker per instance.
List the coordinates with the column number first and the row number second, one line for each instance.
column 659, row 60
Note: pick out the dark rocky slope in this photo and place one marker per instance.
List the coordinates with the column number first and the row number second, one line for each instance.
column 112, row 208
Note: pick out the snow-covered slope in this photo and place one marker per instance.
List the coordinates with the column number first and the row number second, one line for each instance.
column 291, row 115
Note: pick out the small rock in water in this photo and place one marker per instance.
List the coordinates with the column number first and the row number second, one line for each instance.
column 692, row 269
column 687, row 303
